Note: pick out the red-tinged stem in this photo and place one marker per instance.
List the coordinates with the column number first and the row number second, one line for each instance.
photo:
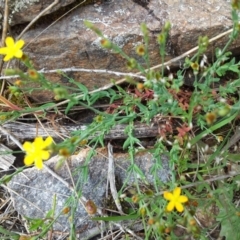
column 9, row 104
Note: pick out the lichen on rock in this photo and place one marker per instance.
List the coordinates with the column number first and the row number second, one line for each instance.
column 18, row 5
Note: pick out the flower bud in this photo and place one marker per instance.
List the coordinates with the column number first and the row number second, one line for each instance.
column 90, row 207
column 60, row 93
column 224, row 110
column 106, row 43
column 140, row 50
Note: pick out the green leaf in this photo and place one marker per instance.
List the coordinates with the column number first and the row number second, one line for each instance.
column 126, row 143
column 35, row 224
column 230, row 224
column 233, row 156
column 95, row 96
column 116, row 218
column 138, row 171
column 71, row 103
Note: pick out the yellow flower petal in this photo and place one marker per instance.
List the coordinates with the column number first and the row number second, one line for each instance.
column 19, row 44
column 170, row 206
column 176, row 192
column 39, row 163
column 18, row 54
column 179, row 206
column 7, row 57
column 28, row 160
column 9, row 42
column 12, row 49
column 38, row 142
column 168, row 196
column 27, row 146
column 36, row 151
column 176, row 200
column 48, row 141
column 182, row 199
column 3, row 50
column 45, row 155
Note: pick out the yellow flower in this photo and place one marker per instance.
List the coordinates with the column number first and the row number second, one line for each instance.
column 175, row 199
column 12, row 49
column 37, row 151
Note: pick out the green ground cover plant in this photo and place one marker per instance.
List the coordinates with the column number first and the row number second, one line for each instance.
column 167, row 210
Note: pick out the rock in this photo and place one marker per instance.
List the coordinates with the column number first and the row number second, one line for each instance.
column 69, row 43
column 192, row 19
column 21, row 11
column 33, row 191
column 72, row 44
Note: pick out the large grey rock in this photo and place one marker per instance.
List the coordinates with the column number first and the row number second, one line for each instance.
column 33, row 190
column 69, row 43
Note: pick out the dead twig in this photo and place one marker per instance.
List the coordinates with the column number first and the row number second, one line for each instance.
column 4, row 34
column 111, row 179
column 5, row 22
column 74, row 69
column 9, row 134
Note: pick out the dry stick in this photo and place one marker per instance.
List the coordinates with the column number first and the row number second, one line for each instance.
column 4, row 34
column 70, row 175
column 15, row 140
column 74, row 69
column 234, row 139
column 5, row 22
column 35, row 115
column 111, row 179
column 124, row 229
column 37, row 17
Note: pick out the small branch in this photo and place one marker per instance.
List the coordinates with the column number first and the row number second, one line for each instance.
column 4, row 31
column 5, row 22
column 233, row 140
column 124, row 229
column 9, row 134
column 74, row 69
column 111, row 179
column 9, row 104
